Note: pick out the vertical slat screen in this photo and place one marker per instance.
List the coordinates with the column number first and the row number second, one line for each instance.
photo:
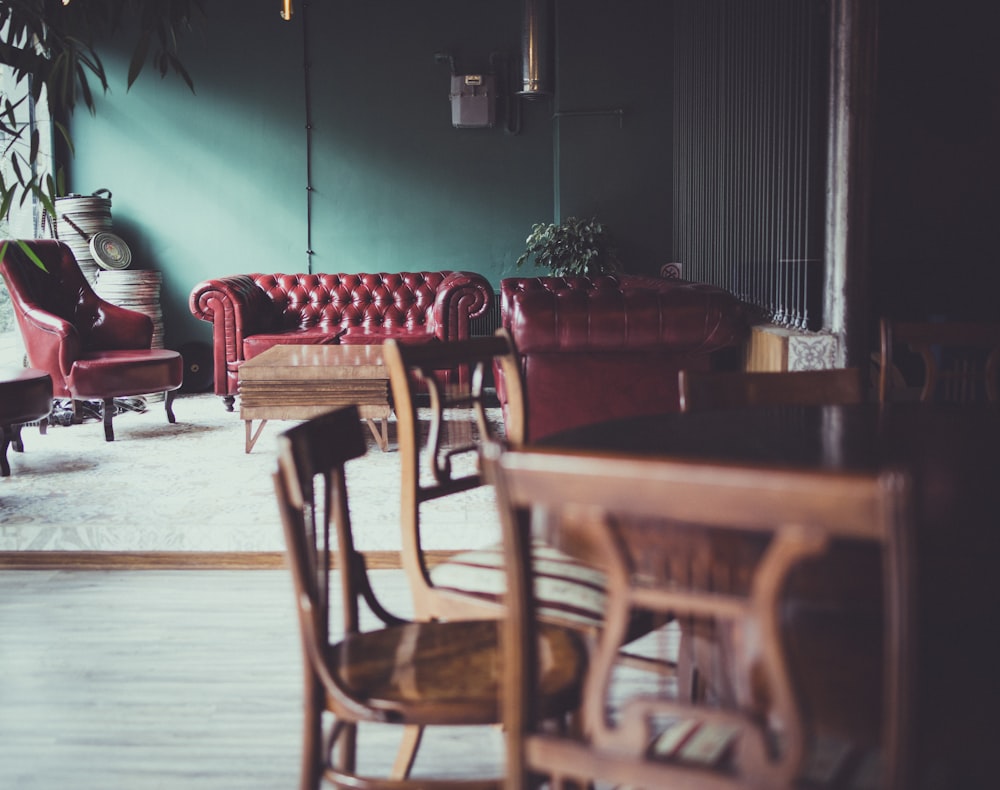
column 749, row 142
column 489, row 322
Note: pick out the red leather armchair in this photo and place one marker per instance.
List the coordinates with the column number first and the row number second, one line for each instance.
column 601, row 348
column 250, row 313
column 92, row 349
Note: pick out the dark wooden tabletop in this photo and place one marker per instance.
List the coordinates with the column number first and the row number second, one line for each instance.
column 952, row 454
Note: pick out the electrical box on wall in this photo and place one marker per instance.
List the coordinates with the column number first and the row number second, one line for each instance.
column 473, row 101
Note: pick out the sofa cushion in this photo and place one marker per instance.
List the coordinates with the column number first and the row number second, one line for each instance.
column 102, row 374
column 256, row 344
column 359, row 336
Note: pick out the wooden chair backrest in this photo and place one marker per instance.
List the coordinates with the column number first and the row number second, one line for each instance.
column 617, row 503
column 702, row 390
column 960, row 359
column 311, row 488
column 439, row 456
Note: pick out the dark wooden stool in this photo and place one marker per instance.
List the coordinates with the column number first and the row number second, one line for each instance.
column 25, row 396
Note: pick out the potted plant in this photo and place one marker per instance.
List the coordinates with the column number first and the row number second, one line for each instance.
column 572, row 247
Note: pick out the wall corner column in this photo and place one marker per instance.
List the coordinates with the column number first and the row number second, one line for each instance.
column 853, row 59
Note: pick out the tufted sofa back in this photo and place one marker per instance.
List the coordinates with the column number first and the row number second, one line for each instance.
column 385, row 302
column 619, row 313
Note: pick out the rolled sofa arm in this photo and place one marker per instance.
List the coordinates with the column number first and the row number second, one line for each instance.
column 236, row 307
column 461, row 297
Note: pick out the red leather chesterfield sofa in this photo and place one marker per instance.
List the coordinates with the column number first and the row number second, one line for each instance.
column 252, row 312
column 600, row 348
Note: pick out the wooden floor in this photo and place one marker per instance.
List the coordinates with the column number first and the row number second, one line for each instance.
column 168, row 679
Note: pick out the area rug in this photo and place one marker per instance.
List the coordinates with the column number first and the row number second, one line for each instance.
column 192, row 487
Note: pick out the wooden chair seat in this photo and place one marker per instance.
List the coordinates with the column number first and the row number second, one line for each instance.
column 569, row 591
column 829, row 763
column 438, row 673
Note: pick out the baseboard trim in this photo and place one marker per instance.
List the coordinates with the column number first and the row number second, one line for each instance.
column 178, row 560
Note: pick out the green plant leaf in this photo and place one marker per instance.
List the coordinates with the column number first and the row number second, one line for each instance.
column 8, row 196
column 23, row 245
column 573, row 247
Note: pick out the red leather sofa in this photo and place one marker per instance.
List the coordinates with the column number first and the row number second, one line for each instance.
column 250, row 313
column 600, row 348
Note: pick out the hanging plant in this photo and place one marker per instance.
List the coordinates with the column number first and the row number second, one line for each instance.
column 572, row 247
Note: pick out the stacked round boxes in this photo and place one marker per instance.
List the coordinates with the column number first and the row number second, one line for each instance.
column 136, row 290
column 78, row 218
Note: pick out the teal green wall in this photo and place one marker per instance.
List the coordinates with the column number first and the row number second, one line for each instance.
column 214, row 183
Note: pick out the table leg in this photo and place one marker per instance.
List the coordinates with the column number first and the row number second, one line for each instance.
column 381, row 434
column 253, row 436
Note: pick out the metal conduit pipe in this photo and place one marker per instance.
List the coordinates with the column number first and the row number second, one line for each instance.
column 536, row 51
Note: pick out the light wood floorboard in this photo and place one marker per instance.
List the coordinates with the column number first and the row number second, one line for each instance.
column 190, row 679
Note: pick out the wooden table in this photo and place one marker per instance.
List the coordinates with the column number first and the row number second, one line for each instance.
column 296, row 382
column 953, row 456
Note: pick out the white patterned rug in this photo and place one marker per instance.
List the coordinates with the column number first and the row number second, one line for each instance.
column 191, row 487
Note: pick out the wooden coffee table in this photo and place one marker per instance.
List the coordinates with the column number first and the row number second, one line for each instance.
column 299, row 382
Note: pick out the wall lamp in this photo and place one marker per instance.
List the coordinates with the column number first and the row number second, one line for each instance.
column 286, row 9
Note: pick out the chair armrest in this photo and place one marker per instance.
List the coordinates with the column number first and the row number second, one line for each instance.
column 52, row 343
column 117, row 328
column 461, row 297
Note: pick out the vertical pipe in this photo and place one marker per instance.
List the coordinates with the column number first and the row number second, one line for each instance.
column 852, row 86
column 307, row 85
column 536, row 56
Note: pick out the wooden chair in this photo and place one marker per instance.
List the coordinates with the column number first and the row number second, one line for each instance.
column 959, row 361
column 403, row 673
column 655, row 521
column 701, row 390
column 439, row 457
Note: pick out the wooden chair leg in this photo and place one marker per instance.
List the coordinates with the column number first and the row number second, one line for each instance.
column 169, row 400
column 313, row 758
column 344, row 739
column 4, row 442
column 687, row 673
column 407, row 754
column 109, row 412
